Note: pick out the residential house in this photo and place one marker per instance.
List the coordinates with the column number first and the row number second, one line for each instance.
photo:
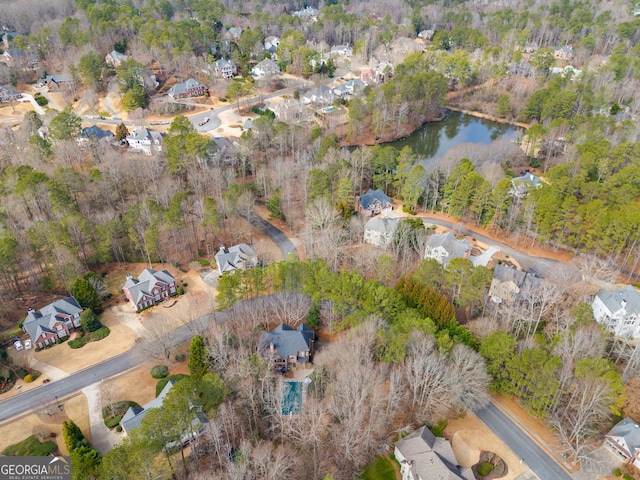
column 151, row 287
column 225, row 68
column 14, row 57
column 320, row 96
column 370, row 77
column 115, row 58
column 53, row 322
column 342, row 50
column 570, row 71
column 380, row 230
column 522, row 185
column 8, row 36
column 238, row 257
column 291, row 110
column 340, row 91
column 224, row 147
column 619, row 311
column 624, row 440
column 530, row 47
column 134, row 415
column 563, row 53
column 271, row 44
column 423, row 456
column 384, row 70
column 55, row 82
column 145, row 140
column 265, row 68
column 190, row 88
column 234, row 33
column 355, row 86
column 446, row 247
column 287, row 347
column 508, row 281
column 426, row 35
column 374, row 202
column 95, row 134
column 307, row 13
column 7, row 94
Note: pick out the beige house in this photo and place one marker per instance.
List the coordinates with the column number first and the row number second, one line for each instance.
column 507, row 283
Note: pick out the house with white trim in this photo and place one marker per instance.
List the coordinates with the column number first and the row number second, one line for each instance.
column 151, row 287
column 145, row 140
column 618, row 311
column 53, row 322
column 624, row 440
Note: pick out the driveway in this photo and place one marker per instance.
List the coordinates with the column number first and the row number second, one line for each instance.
column 285, row 245
column 29, row 98
column 102, row 438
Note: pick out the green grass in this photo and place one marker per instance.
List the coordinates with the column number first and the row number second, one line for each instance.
column 31, row 447
column 438, row 428
column 380, row 468
column 120, row 408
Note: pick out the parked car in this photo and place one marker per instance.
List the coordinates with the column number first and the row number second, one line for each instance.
column 46, row 380
column 27, row 344
column 204, row 121
column 18, row 345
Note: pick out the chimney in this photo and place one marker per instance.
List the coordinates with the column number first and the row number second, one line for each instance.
column 623, row 303
column 129, row 276
column 271, row 347
column 30, row 310
column 222, row 249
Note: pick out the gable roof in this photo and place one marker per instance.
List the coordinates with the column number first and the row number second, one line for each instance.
column 140, row 134
column 222, row 64
column 454, row 247
column 97, row 132
column 145, row 283
column 7, row 92
column 372, row 196
column 134, row 415
column 627, row 298
column 229, row 260
column 49, row 315
column 117, row 56
column 628, row 432
column 286, row 340
column 184, row 87
column 267, row 65
column 384, row 225
column 431, row 457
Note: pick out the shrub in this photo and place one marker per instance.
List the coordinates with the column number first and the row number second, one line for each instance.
column 79, row 342
column 485, row 469
column 180, row 291
column 118, row 428
column 617, row 472
column 159, row 371
column 628, row 477
column 222, row 99
column 42, row 101
column 204, row 262
column 101, row 333
column 180, row 357
column 438, row 428
column 28, row 378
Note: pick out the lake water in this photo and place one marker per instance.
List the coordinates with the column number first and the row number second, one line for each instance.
column 434, row 139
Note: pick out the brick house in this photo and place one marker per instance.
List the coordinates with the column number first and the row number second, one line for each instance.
column 53, row 322
column 151, row 287
column 286, row 347
column 190, row 88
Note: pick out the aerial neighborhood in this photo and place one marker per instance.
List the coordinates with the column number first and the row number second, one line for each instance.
column 321, row 240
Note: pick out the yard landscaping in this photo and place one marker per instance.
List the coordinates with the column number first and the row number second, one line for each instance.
column 31, row 447
column 112, row 414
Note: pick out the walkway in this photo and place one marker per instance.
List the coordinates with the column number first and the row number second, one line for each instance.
column 48, row 371
column 102, row 438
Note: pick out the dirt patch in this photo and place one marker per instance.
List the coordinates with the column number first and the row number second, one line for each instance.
column 469, row 437
column 47, row 417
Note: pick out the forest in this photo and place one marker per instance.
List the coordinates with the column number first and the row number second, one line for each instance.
column 413, row 332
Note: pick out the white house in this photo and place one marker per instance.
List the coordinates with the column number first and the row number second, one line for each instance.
column 225, row 68
column 145, row 140
column 446, row 247
column 265, row 68
column 619, row 311
column 423, row 456
column 238, row 257
column 342, row 50
column 380, row 230
column 271, row 44
column 321, row 96
column 520, row 186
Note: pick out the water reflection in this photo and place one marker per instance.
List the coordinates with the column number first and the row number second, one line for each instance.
column 435, row 139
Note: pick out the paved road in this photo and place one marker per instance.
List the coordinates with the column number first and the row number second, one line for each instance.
column 285, row 245
column 544, row 466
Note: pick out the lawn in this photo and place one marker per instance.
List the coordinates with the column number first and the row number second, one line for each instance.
column 380, row 468
column 31, row 447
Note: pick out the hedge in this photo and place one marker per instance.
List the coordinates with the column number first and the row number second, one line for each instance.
column 79, row 342
column 101, row 333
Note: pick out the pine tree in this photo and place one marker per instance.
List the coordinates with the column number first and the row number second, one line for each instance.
column 198, row 364
column 122, row 132
column 86, row 295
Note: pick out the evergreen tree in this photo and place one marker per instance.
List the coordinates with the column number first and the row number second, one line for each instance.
column 198, row 364
column 89, row 321
column 122, row 132
column 86, row 295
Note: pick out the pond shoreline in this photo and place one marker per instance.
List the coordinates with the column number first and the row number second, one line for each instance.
column 368, row 139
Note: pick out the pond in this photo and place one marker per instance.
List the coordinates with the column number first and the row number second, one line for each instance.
column 434, row 139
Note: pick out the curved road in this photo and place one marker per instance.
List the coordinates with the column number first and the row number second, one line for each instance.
column 285, row 245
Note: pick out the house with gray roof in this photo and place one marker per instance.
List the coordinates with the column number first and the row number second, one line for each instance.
column 96, row 134
column 151, row 287
column 145, row 140
column 265, row 68
column 54, row 321
column 234, row 33
column 380, row 230
column 238, row 257
column 271, row 44
column 374, row 202
column 15, row 57
column 286, row 347
column 624, row 440
column 307, row 13
column 115, row 59
column 619, row 311
column 225, row 68
column 508, row 281
column 423, row 456
column 291, row 110
column 446, row 247
column 520, row 186
column 342, row 50
column 190, row 88
column 320, row 96
column 55, row 82
column 7, row 94
column 134, row 415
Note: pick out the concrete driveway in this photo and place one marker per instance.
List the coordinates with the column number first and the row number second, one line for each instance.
column 102, row 438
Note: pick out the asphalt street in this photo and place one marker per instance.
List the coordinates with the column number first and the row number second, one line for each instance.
column 284, row 244
column 544, row 466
